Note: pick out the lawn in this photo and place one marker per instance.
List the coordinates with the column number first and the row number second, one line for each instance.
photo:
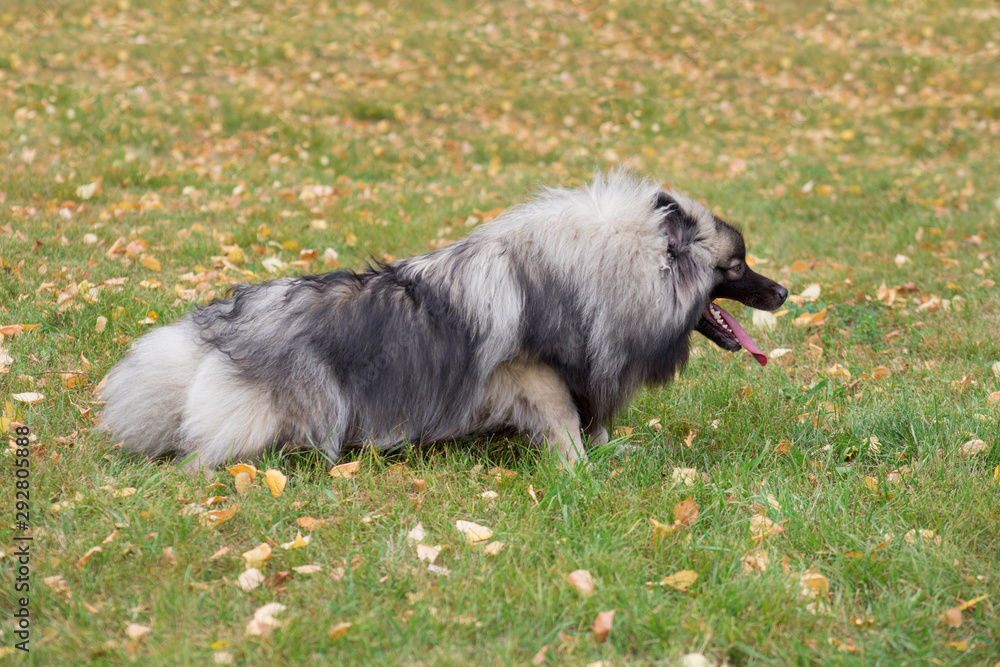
column 841, row 505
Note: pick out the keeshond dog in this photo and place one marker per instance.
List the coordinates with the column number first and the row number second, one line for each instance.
column 547, row 320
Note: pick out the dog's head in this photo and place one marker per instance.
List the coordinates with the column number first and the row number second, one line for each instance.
column 687, row 225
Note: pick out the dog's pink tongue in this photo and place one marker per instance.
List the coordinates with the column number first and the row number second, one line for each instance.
column 743, row 337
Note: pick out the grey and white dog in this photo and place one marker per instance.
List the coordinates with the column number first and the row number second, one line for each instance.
column 547, row 319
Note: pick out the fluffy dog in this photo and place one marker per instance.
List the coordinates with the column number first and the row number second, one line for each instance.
column 547, row 319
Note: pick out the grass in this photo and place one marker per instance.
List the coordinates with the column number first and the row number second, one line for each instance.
column 856, row 144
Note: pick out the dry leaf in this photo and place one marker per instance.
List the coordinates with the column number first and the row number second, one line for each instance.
column 602, row 625
column 474, row 533
column 582, row 582
column 309, row 523
column 345, row 470
column 297, row 543
column 244, row 468
column 243, row 482
column 661, row 530
column 681, row 580
column 30, row 397
column 85, row 558
column 151, row 263
column 761, row 527
column 135, row 631
column 219, row 554
column 427, row 552
column 755, row 562
column 308, row 569
column 685, row 512
column 58, row 585
column 539, row 658
column 256, row 556
column 685, row 476
column 493, row 548
column 973, row 447
column 339, row 630
column 264, row 620
column 214, row 518
column 694, row 660
column 250, row 579
column 275, row 481
column 417, row 534
column 813, row 585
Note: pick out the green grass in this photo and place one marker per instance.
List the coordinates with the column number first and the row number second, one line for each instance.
column 204, row 123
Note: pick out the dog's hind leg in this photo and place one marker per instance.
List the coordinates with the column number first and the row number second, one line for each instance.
column 597, row 434
column 535, row 399
column 225, row 417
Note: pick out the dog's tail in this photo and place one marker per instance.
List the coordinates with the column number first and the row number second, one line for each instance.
column 146, row 392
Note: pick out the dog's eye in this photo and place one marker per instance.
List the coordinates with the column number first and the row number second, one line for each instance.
column 735, row 268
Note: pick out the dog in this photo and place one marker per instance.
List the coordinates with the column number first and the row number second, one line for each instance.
column 547, row 319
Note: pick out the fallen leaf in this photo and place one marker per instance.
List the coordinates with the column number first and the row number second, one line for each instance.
column 345, row 470
column 694, row 660
column 255, row 557
column 474, row 533
column 427, row 552
column 250, row 579
column 539, row 658
column 242, row 482
column 214, row 518
column 582, row 582
column 219, row 554
column 761, row 527
column 438, row 570
column 151, row 263
column 297, row 543
column 339, row 630
column 85, row 558
column 417, row 534
column 309, row 523
column 755, row 562
column 972, row 448
column 58, row 585
column 30, row 397
column 685, row 512
column 602, row 625
column 308, row 569
column 135, row 631
column 493, row 548
column 661, row 530
column 685, row 476
column 275, row 480
column 813, row 585
column 681, row 580
column 264, row 621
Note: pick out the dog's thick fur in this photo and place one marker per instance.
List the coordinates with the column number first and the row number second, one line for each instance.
column 547, row 319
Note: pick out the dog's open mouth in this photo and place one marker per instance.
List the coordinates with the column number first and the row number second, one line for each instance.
column 723, row 329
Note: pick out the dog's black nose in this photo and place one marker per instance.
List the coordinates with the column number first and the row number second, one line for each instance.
column 782, row 294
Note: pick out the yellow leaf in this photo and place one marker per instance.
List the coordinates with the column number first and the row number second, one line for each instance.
column 309, row 523
column 151, row 263
column 871, row 483
column 213, row 519
column 680, row 580
column 660, row 530
column 493, row 548
column 474, row 533
column 755, row 562
column 345, row 470
column 255, row 557
column 958, row 646
column 297, row 543
column 244, row 467
column 339, row 630
column 275, row 481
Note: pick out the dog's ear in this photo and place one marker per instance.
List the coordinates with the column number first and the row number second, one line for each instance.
column 674, row 222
